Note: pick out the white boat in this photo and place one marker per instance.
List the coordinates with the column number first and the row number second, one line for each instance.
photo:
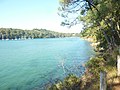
column 7, row 39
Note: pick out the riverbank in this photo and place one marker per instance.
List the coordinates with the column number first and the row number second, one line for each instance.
column 92, row 41
column 90, row 80
column 73, row 82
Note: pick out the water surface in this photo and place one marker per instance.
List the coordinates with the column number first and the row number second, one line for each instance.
column 26, row 64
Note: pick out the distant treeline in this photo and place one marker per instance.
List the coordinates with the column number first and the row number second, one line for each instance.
column 10, row 33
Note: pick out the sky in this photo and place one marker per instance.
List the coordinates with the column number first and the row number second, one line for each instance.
column 30, row 14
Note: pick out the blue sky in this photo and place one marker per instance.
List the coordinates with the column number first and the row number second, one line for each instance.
column 29, row 14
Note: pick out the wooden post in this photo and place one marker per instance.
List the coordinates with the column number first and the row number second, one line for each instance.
column 118, row 64
column 103, row 82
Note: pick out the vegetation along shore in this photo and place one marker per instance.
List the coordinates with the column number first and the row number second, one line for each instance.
column 17, row 34
column 101, row 20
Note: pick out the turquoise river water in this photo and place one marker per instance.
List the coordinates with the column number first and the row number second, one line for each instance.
column 30, row 64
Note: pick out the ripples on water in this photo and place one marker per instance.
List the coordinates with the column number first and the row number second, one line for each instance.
column 26, row 64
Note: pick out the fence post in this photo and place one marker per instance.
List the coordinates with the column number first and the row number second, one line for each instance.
column 118, row 65
column 118, row 62
column 103, row 82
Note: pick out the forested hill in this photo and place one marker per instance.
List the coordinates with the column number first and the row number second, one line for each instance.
column 10, row 33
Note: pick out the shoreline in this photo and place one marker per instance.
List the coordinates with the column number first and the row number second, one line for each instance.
column 92, row 42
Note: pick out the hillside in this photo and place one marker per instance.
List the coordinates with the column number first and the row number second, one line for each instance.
column 10, row 33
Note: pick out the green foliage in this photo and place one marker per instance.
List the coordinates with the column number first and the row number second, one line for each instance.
column 101, row 19
column 9, row 33
column 71, row 82
column 95, row 65
column 90, row 80
column 111, row 60
column 104, row 21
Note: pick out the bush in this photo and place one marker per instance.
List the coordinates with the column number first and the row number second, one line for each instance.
column 95, row 65
column 71, row 82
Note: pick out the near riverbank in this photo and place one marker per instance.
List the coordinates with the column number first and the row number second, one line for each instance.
column 90, row 80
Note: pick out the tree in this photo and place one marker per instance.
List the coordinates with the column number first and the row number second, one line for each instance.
column 98, row 15
column 9, row 33
column 101, row 20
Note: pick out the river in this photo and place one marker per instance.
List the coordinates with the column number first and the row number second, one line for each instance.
column 29, row 64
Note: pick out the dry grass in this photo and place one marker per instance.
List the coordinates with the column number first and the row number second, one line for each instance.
column 113, row 80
